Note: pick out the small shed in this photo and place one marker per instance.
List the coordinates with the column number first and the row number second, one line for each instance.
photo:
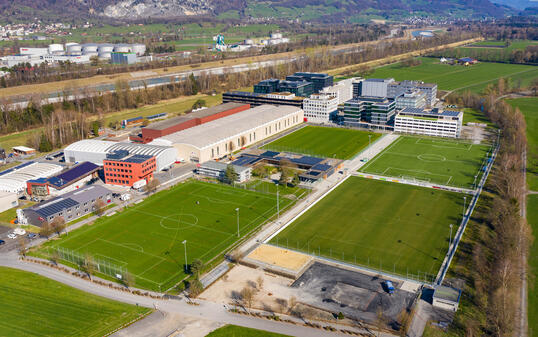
column 23, row 150
column 447, row 298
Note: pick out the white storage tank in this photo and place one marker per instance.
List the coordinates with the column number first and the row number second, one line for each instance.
column 105, row 55
column 55, row 48
column 106, row 48
column 89, row 48
column 73, row 49
column 139, row 49
column 122, row 48
column 90, row 53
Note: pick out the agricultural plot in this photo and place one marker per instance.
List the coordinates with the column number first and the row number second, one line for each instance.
column 324, row 142
column 434, row 160
column 147, row 239
column 33, row 305
column 529, row 108
column 474, row 78
column 396, row 228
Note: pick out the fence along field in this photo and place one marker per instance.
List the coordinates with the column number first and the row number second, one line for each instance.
column 146, row 239
column 396, row 228
column 434, row 160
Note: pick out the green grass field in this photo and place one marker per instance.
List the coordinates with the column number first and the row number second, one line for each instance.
column 474, row 78
column 324, row 142
column 394, row 227
column 532, row 218
column 529, row 108
column 436, row 160
column 146, row 239
column 33, row 305
column 475, row 116
column 239, row 331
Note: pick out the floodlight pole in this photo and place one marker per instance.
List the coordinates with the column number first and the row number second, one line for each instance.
column 474, row 183
column 277, row 204
column 369, row 142
column 237, row 211
column 450, row 239
column 185, row 245
column 464, row 200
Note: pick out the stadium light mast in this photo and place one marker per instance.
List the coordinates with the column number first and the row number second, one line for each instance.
column 185, row 244
column 464, row 200
column 237, row 211
column 277, row 203
column 450, row 239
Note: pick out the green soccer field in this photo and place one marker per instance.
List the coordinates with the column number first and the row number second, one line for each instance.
column 33, row 305
column 146, row 239
column 324, row 142
column 382, row 225
column 434, row 160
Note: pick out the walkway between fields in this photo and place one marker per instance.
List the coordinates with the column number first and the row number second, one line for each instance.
column 217, row 312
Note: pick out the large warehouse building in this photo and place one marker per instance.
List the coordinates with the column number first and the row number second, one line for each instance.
column 221, row 137
column 14, row 180
column 96, row 151
column 179, row 123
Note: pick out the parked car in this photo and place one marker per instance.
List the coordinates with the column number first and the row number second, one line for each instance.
column 19, row 231
column 2, row 242
column 31, row 235
column 389, row 287
column 12, row 236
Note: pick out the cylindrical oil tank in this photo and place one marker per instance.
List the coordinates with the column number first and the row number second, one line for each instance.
column 122, row 48
column 105, row 55
column 73, row 49
column 105, row 48
column 90, row 53
column 89, row 47
column 139, row 49
column 55, row 48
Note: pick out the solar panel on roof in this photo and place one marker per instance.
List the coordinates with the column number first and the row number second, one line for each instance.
column 321, row 167
column 307, row 160
column 243, row 161
column 269, row 154
column 73, row 173
column 55, row 207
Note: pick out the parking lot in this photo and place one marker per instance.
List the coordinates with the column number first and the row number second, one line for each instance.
column 356, row 295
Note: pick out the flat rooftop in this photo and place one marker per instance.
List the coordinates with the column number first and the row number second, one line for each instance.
column 165, row 124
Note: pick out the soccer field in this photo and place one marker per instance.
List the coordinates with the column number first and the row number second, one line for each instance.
column 34, row 305
column 435, row 160
column 382, row 225
column 146, row 239
column 324, row 142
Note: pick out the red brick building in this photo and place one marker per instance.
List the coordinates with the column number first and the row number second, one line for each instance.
column 175, row 124
column 122, row 168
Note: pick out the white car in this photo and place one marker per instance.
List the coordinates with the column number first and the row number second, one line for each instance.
column 19, row 231
column 12, row 236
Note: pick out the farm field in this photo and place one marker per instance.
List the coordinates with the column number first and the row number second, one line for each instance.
column 532, row 218
column 529, row 108
column 474, row 78
column 146, row 239
column 33, row 305
column 239, row 331
column 435, row 160
column 324, row 142
column 389, row 226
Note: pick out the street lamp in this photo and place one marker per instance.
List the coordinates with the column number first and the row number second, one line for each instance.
column 277, row 204
column 237, row 210
column 464, row 200
column 185, row 244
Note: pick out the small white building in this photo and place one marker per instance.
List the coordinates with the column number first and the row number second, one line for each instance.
column 217, row 170
column 446, row 298
column 432, row 123
column 318, row 108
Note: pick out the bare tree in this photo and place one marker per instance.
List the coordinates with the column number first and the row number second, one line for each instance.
column 152, row 186
column 247, row 295
column 259, row 281
column 58, row 224
column 99, row 207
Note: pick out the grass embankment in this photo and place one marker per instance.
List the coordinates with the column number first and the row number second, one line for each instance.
column 383, row 225
column 238, row 331
column 324, row 142
column 33, row 305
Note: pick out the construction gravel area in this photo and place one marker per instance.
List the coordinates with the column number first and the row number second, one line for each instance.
column 357, row 295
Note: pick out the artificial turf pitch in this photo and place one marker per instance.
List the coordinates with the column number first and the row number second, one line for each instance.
column 33, row 305
column 387, row 226
column 435, row 160
column 324, row 142
column 146, row 239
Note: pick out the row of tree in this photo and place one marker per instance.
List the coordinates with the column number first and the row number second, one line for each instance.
column 490, row 259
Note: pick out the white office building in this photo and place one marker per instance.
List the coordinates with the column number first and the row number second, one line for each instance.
column 394, row 89
column 319, row 107
column 215, row 169
column 411, row 99
column 372, row 87
column 343, row 89
column 432, row 123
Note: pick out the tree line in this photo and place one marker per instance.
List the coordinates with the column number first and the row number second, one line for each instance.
column 490, row 257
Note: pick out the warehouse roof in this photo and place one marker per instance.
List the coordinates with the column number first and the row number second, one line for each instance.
column 15, row 180
column 104, row 147
column 69, row 176
column 205, row 135
column 193, row 115
column 90, row 145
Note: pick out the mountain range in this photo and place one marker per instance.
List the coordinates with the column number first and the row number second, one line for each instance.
column 305, row 10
